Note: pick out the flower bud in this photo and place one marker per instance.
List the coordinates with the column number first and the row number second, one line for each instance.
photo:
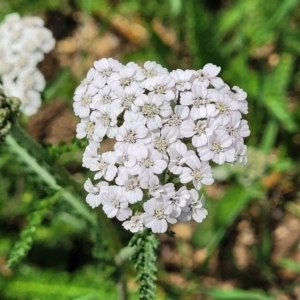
column 9, row 110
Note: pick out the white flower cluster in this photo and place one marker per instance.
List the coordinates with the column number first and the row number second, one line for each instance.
column 166, row 127
column 23, row 42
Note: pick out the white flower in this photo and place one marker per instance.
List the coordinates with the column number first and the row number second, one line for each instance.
column 125, row 159
column 132, row 184
column 105, row 68
column 32, row 21
column 198, row 172
column 134, row 135
column 225, row 108
column 134, row 117
column 85, row 83
column 239, row 95
column 162, row 85
column 12, row 33
column 177, row 199
column 31, row 79
column 218, row 149
column 7, row 65
column 241, row 156
column 208, row 75
column 134, row 65
column 149, row 163
column 236, row 128
column 150, row 70
column 22, row 61
column 178, row 156
column 198, row 212
column 157, row 215
column 175, row 121
column 23, row 43
column 90, row 153
column 128, row 97
column 199, row 131
column 31, row 101
column 224, row 89
column 124, row 78
column 94, row 197
column 194, row 208
column 153, row 108
column 104, row 97
column 27, row 42
column 86, row 128
column 155, row 187
column 82, row 102
column 105, row 121
column 46, row 41
column 201, row 100
column 135, row 224
column 115, row 204
column 163, row 139
column 105, row 166
column 182, row 79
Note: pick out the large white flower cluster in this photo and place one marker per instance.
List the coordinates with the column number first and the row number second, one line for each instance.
column 23, row 43
column 166, row 128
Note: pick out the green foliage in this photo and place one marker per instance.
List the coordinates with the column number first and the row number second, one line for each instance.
column 101, row 252
column 91, row 6
column 62, row 86
column 34, row 220
column 236, row 294
column 31, row 283
column 42, row 164
column 63, row 147
column 144, row 258
column 30, row 7
column 221, row 215
column 257, row 44
column 289, row 264
column 275, row 86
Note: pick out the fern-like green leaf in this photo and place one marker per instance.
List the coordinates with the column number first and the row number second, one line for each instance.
column 21, row 247
column 144, row 258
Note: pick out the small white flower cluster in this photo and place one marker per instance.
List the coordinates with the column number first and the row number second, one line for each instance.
column 23, row 43
column 166, row 127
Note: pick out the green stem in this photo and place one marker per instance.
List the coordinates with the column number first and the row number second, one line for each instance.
column 47, row 177
column 58, row 179
column 58, row 172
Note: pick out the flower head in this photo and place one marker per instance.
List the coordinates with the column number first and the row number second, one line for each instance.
column 165, row 130
column 23, row 44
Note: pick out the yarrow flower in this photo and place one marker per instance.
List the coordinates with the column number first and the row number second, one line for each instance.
column 23, row 43
column 166, row 129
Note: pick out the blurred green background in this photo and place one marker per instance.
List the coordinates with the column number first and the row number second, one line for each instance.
column 249, row 247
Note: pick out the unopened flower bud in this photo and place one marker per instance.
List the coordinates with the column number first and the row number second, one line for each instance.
column 9, row 110
column 14, row 104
